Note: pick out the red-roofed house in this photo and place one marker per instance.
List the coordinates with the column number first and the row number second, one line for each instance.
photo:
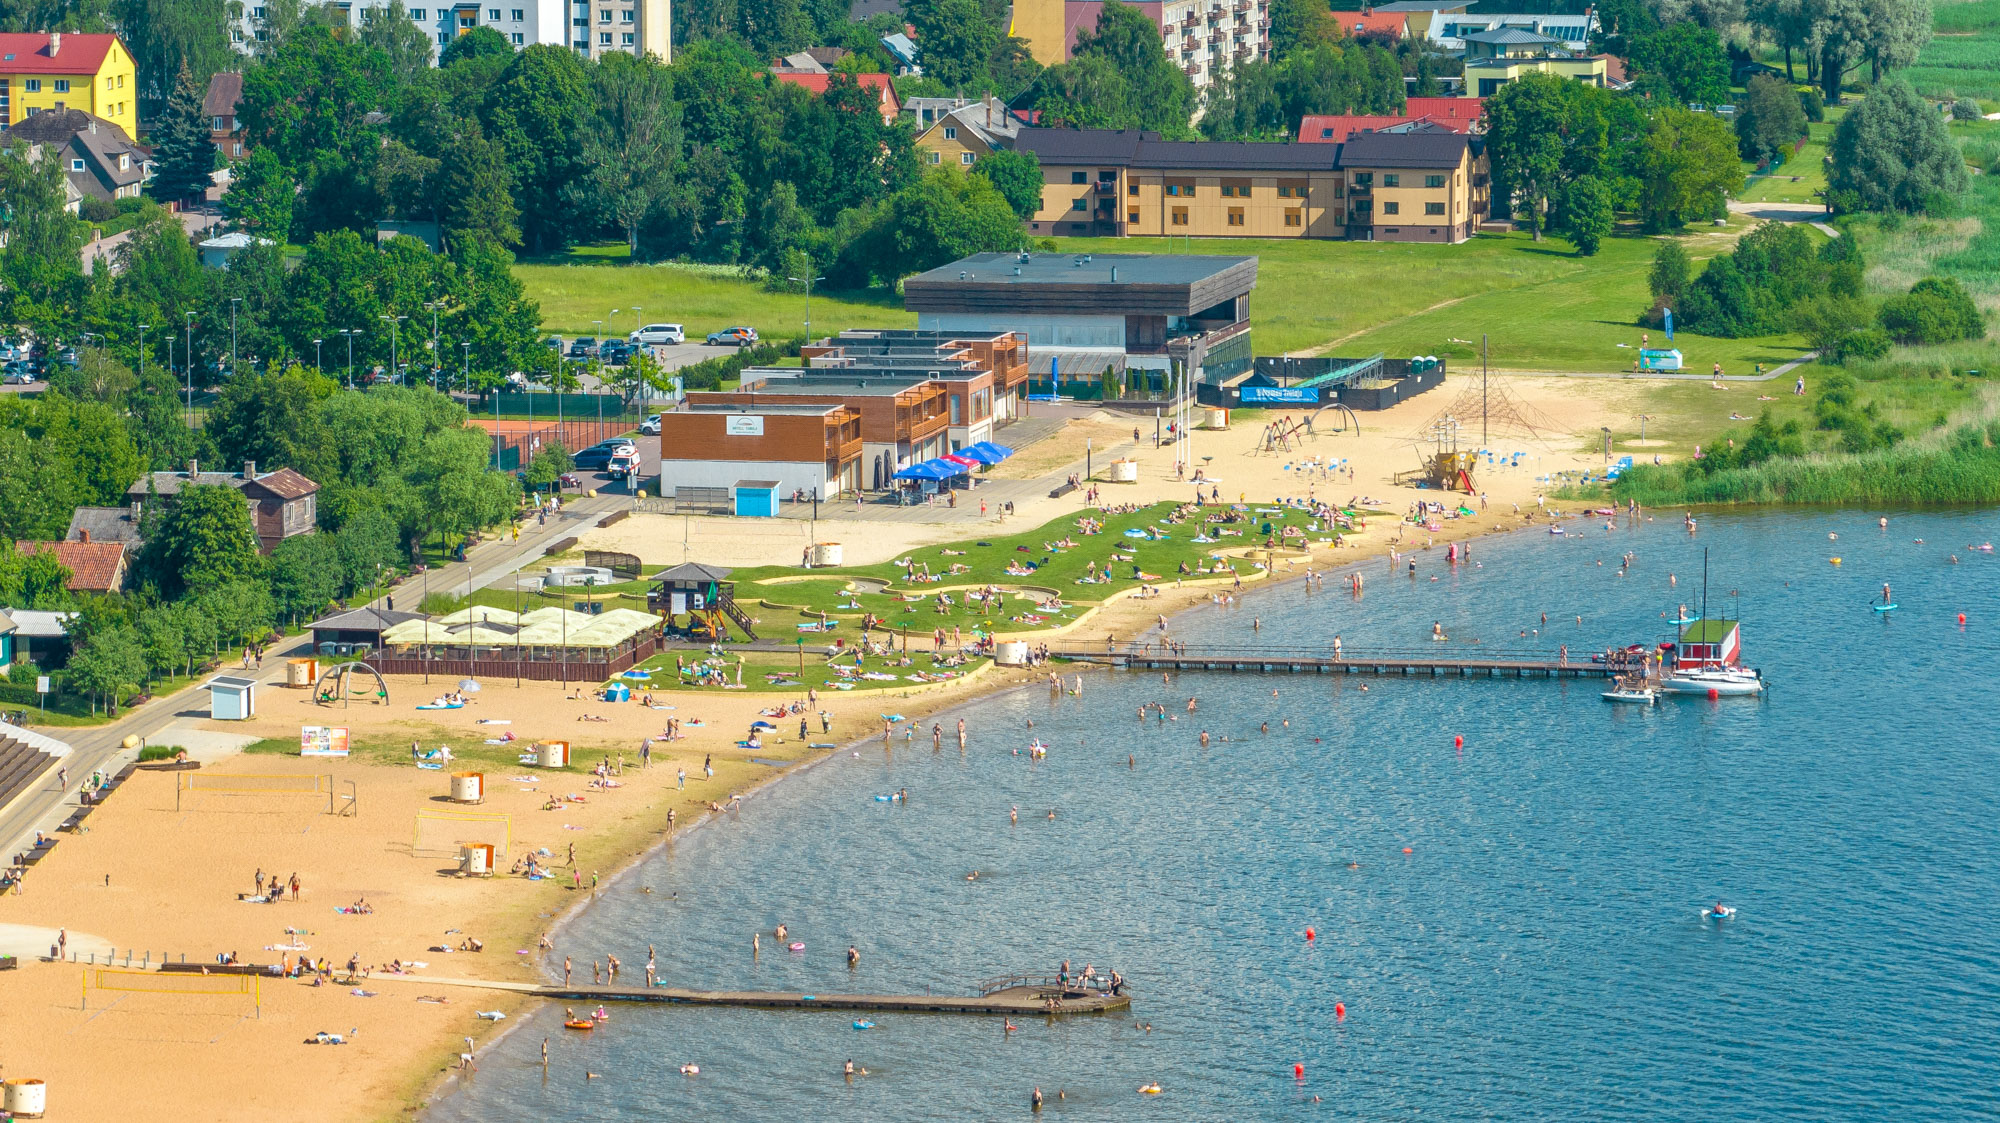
column 94, row 567
column 1446, row 109
column 882, row 85
column 1387, row 25
column 1319, row 129
column 67, row 70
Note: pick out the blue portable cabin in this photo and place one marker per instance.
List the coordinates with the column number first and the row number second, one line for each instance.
column 231, row 697
column 757, row 499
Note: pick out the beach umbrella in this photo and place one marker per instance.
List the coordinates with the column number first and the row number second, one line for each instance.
column 928, row 470
column 762, row 725
column 468, row 685
column 993, row 449
column 981, row 452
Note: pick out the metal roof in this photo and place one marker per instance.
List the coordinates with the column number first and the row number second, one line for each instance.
column 1403, row 150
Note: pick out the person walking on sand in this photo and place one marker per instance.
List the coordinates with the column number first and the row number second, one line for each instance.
column 565, row 970
column 680, row 779
column 708, row 766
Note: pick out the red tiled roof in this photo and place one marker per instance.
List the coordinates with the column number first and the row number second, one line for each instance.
column 1444, row 110
column 1336, row 129
column 286, row 484
column 225, row 92
column 884, row 87
column 27, row 52
column 1394, row 24
column 94, row 567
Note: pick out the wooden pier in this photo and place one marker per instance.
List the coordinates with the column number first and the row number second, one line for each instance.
column 1018, row 997
column 1435, row 664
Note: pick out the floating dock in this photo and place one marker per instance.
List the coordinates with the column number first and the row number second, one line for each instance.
column 1434, row 664
column 1023, row 1000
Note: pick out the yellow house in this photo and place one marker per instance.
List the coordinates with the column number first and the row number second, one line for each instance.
column 68, row 70
column 1484, row 77
column 961, row 133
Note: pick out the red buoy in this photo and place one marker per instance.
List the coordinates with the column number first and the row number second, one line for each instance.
column 1299, row 1071
column 1406, row 850
column 1961, row 619
column 1310, row 935
column 1713, row 694
column 1458, row 742
column 1340, row 1009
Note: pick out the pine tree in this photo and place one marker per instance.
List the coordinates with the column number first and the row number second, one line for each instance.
column 183, row 152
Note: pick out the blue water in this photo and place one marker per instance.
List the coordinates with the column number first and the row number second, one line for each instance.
column 1538, row 952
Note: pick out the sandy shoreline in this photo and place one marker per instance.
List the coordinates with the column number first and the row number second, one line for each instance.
column 147, row 877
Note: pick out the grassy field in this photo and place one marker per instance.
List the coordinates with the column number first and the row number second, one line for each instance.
column 1801, row 178
column 1545, row 307
column 1963, row 60
column 587, row 283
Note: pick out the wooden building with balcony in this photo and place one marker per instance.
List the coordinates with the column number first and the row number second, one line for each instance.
column 905, row 415
column 809, row 448
column 977, row 405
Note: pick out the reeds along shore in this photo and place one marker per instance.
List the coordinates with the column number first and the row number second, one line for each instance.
column 1959, row 465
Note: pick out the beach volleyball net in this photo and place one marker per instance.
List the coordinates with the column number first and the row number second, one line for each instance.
column 190, row 786
column 124, row 981
column 441, row 832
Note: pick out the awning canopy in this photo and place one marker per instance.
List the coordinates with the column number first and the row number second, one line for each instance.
column 965, row 462
column 986, row 452
column 929, row 470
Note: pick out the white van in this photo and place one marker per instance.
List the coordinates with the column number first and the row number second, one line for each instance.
column 658, row 333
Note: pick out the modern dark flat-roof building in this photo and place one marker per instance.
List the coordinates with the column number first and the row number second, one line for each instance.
column 1083, row 312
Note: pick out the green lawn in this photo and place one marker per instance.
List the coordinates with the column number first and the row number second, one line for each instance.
column 586, row 284
column 1575, row 321
column 1544, row 307
column 1800, row 179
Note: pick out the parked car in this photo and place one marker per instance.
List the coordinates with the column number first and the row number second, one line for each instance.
column 19, row 377
column 598, row 456
column 651, row 426
column 553, row 343
column 615, row 351
column 733, row 337
column 659, row 333
column 582, row 346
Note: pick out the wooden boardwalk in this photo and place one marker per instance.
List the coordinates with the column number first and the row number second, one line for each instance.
column 1433, row 664
column 1023, row 1001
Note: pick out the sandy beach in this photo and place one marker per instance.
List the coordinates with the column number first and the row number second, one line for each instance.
column 162, row 882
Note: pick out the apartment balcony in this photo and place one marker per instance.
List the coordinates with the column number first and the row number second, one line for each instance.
column 1240, row 6
column 1216, row 14
column 1240, row 31
column 1243, row 50
column 1107, row 187
column 1192, row 70
column 1214, row 37
column 841, row 451
column 1191, row 22
column 1263, row 25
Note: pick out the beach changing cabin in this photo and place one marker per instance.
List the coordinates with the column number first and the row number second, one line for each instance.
column 231, row 697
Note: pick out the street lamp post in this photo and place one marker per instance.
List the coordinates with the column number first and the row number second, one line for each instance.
column 233, row 302
column 142, row 354
column 395, row 363
column 349, row 333
column 317, row 369
column 188, row 364
column 433, row 306
column 808, row 280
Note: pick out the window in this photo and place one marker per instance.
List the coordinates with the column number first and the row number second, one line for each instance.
column 1326, row 134
column 1132, row 217
column 1080, row 203
column 966, row 158
column 62, row 85
column 259, row 11
column 933, row 157
column 1433, row 181
column 625, row 39
column 1363, row 180
column 236, row 149
column 34, row 85
column 444, row 38
column 1180, row 216
column 1433, row 208
column 1392, row 208
column 493, row 15
column 215, row 123
column 604, row 38
column 1132, row 189
column 1228, row 191
column 604, row 16
column 519, row 39
column 76, row 165
column 1236, row 216
column 416, row 14
column 1077, row 177
column 580, row 21
column 954, row 409
column 518, row 15
column 1293, row 217
column 124, row 162
column 1391, row 179
column 625, row 16
column 951, row 132
column 1078, row 228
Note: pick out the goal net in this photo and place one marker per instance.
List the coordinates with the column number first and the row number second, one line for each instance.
column 441, row 832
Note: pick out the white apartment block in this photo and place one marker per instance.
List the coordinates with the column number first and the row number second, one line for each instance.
column 594, row 28
column 1207, row 37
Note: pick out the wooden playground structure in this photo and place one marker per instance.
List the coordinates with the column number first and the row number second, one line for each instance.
column 704, row 595
column 1445, row 467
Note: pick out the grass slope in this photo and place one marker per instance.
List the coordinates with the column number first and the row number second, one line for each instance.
column 584, row 285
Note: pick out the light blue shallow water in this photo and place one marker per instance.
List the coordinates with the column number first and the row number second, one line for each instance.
column 1538, row 952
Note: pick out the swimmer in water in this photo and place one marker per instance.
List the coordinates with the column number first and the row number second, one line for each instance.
column 1014, row 814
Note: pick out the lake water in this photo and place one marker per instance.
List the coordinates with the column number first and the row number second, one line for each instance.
column 1538, row 952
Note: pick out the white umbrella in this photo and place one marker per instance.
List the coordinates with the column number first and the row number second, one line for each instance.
column 469, row 685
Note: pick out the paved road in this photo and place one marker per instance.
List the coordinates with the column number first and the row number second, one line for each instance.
column 102, row 747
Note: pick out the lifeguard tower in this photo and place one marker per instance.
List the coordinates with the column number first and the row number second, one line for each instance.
column 703, row 594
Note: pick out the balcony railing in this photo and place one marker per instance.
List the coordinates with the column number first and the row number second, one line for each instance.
column 1192, row 69
column 1107, row 187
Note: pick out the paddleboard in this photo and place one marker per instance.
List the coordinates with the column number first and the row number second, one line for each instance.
column 1885, row 608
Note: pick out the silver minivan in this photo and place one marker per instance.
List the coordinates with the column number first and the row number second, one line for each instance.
column 659, row 333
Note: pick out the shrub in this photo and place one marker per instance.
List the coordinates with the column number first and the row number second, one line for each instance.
column 1866, row 345
column 1935, row 310
column 97, row 210
column 159, row 752
column 1813, row 104
column 1965, row 109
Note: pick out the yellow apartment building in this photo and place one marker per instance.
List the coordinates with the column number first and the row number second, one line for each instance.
column 68, row 70
column 1429, row 186
column 1485, row 76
